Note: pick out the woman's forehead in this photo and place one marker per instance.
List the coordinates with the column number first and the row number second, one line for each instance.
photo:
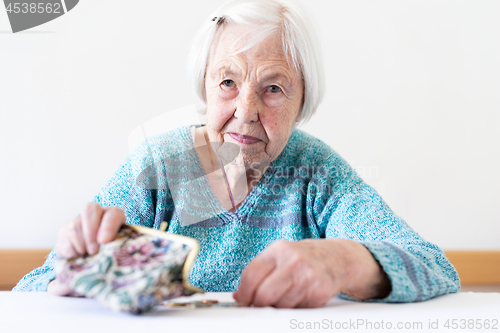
column 231, row 42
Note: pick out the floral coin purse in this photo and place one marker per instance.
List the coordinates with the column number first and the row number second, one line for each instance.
column 140, row 269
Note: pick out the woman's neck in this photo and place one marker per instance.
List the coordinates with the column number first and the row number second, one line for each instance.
column 231, row 182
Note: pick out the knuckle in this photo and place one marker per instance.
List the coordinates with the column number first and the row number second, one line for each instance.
column 72, row 225
column 281, row 245
column 299, row 262
column 247, row 276
column 94, row 205
column 116, row 215
column 64, row 250
column 90, row 209
column 308, row 277
column 71, row 233
column 64, row 235
column 116, row 211
column 87, row 208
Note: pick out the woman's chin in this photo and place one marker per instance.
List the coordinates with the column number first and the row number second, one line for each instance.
column 251, row 160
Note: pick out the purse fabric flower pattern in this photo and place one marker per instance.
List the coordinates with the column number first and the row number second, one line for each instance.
column 140, row 269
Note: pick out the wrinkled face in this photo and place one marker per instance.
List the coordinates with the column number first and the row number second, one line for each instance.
column 253, row 97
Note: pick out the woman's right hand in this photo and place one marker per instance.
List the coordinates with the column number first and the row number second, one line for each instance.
column 95, row 226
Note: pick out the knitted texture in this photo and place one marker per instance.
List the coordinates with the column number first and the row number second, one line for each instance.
column 309, row 191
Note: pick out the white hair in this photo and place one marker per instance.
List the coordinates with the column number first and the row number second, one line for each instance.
column 263, row 18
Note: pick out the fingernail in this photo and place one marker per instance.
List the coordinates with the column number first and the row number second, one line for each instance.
column 93, row 248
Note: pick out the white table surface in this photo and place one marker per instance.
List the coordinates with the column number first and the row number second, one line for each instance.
column 43, row 312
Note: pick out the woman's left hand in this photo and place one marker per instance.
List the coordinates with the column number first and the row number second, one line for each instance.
column 308, row 273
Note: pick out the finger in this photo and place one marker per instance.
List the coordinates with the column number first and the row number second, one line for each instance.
column 75, row 236
column 287, row 287
column 318, row 294
column 58, row 289
column 112, row 220
column 291, row 298
column 256, row 271
column 91, row 219
column 64, row 246
column 303, row 276
column 273, row 288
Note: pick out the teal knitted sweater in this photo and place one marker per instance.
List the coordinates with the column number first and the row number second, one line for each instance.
column 309, row 191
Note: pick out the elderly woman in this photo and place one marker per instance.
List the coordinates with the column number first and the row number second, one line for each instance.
column 286, row 221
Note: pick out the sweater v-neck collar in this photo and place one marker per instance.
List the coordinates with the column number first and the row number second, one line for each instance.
column 247, row 205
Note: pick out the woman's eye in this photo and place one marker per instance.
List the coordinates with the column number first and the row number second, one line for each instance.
column 274, row 88
column 229, row 83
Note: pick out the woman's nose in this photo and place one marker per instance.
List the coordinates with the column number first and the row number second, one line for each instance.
column 247, row 107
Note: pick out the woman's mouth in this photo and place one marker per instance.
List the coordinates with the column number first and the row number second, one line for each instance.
column 246, row 139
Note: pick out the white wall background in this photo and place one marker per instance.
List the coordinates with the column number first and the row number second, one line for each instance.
column 413, row 103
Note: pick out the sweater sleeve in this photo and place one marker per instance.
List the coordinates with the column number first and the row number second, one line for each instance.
column 418, row 270
column 39, row 278
column 142, row 206
column 342, row 205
